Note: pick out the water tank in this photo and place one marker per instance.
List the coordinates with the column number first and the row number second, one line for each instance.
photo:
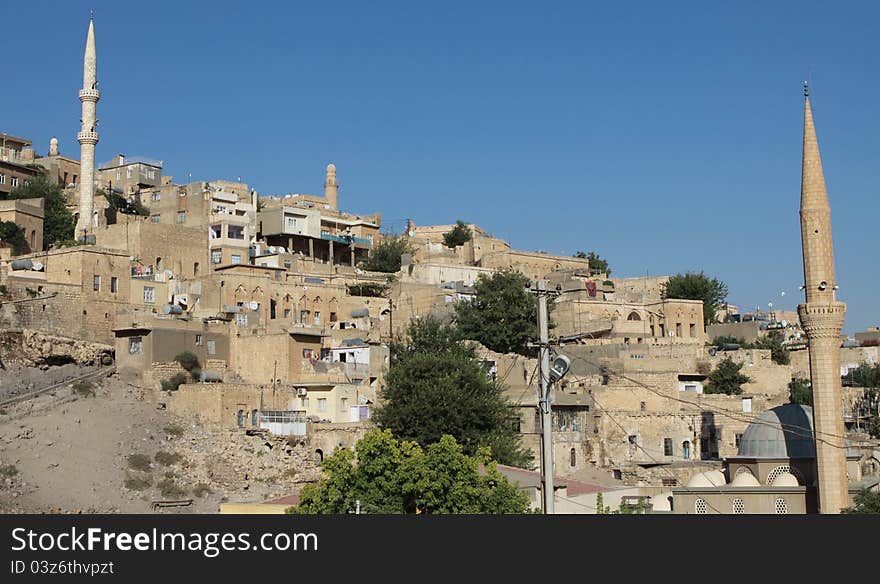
column 37, row 267
column 360, row 312
column 211, row 376
column 22, row 264
column 231, row 309
column 313, row 280
column 172, row 309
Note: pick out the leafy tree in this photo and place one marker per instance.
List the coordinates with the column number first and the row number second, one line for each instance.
column 863, row 376
column 12, row 234
column 385, row 256
column 865, row 502
column 874, row 427
column 190, row 362
column 367, row 289
column 58, row 223
column 692, row 286
column 459, row 235
column 726, row 378
column 122, row 205
column 597, row 264
column 778, row 353
column 800, row 391
column 391, row 476
column 436, row 385
column 728, row 340
column 502, row 316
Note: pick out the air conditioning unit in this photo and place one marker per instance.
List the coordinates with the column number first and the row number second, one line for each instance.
column 301, row 391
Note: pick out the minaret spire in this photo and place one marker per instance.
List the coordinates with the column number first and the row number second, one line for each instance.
column 331, row 187
column 88, row 134
column 822, row 320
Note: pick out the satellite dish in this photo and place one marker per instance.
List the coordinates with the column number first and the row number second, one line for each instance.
column 784, row 323
column 253, row 305
column 281, row 250
column 271, row 249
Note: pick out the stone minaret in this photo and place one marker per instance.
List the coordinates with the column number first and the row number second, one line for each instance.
column 331, row 187
column 88, row 136
column 822, row 320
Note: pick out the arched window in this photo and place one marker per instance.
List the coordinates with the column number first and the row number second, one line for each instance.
column 738, row 506
column 634, row 316
column 700, row 507
column 573, row 457
column 785, row 468
column 319, row 456
column 239, row 418
column 158, row 264
column 254, row 417
column 686, row 450
column 195, row 268
column 781, row 506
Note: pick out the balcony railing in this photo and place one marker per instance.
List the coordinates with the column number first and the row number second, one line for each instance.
column 347, row 239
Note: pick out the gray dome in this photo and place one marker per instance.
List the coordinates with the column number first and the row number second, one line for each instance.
column 765, row 437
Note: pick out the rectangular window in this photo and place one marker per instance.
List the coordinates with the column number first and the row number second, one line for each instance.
column 286, row 313
column 241, row 319
column 317, row 317
column 287, row 264
column 747, row 404
column 128, row 172
column 303, row 316
column 2, row 179
column 198, row 340
column 667, row 447
column 693, row 330
column 304, row 402
column 114, row 284
column 216, row 256
column 96, row 283
column 212, row 347
column 235, row 232
column 149, row 295
column 181, row 216
column 15, row 181
column 156, row 218
column 236, row 258
column 332, row 317
column 737, row 438
column 678, row 329
column 322, row 404
column 136, row 345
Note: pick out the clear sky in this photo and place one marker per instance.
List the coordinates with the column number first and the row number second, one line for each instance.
column 666, row 136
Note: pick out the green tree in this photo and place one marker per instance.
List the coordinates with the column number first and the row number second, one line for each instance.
column 693, row 286
column 864, row 375
column 726, row 378
column 503, row 315
column 458, row 235
column 58, row 223
column 864, row 502
column 597, row 264
column 778, row 353
column 800, row 391
column 385, row 256
column 729, row 340
column 391, row 476
column 13, row 235
column 436, row 385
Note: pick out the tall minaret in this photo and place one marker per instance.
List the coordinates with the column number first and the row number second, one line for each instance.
column 822, row 320
column 331, row 187
column 88, row 137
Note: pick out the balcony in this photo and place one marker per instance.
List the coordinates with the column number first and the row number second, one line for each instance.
column 347, row 239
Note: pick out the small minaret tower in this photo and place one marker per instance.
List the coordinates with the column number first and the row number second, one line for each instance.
column 331, row 187
column 821, row 317
column 88, row 135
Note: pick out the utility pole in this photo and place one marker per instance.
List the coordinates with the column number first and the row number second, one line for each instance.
column 544, row 397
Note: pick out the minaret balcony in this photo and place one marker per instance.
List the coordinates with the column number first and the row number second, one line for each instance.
column 89, row 95
column 87, row 137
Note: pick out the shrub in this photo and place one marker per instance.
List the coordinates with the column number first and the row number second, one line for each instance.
column 84, row 389
column 138, row 484
column 174, row 430
column 173, row 383
column 201, row 489
column 139, row 462
column 8, row 471
column 188, row 360
column 459, row 235
column 168, row 488
column 167, row 458
column 3, row 412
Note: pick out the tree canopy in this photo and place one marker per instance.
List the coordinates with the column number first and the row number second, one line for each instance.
column 436, row 385
column 597, row 264
column 778, row 353
column 13, row 235
column 693, row 286
column 386, row 475
column 58, row 223
column 864, row 502
column 726, row 378
column 503, row 316
column 458, row 235
column 385, row 256
column 800, row 391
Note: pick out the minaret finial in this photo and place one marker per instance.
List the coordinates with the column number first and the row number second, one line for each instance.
column 92, row 14
column 806, row 89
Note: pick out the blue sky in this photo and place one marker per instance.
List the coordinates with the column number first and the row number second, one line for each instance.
column 664, row 136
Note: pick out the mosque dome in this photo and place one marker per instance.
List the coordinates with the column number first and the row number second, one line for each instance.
column 708, row 479
column 785, row 431
column 785, row 479
column 745, row 479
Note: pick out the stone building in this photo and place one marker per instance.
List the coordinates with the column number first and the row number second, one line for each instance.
column 27, row 214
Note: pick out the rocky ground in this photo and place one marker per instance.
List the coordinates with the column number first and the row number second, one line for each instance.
column 119, row 450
